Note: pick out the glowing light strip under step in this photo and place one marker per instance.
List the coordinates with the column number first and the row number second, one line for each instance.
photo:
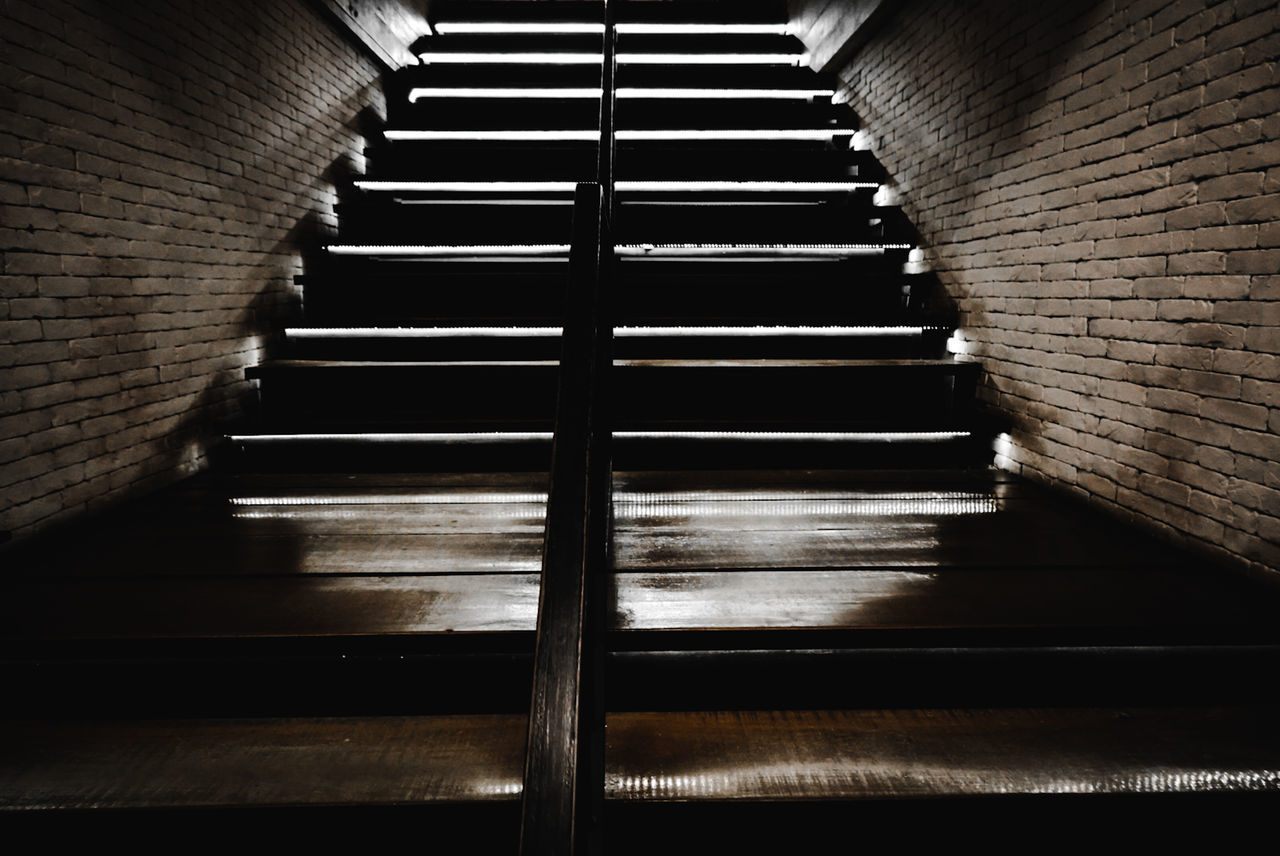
column 522, row 250
column 545, row 436
column 800, row 250
column 744, row 186
column 570, row 58
column 442, row 497
column 753, row 94
column 572, row 135
column 588, row 135
column 619, row 332
column 561, row 94
column 794, row 134
column 640, row 500
column 468, row 186
column 798, row 436
column 568, row 93
column 621, row 186
column 467, row 437
column 475, row 28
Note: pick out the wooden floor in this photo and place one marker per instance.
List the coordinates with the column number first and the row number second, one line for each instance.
column 386, row 568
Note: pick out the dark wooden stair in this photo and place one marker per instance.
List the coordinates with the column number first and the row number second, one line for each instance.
column 821, row 604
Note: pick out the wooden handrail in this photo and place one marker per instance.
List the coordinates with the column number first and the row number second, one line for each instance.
column 563, row 796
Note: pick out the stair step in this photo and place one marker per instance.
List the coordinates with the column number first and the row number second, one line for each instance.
column 529, row 161
column 857, row 755
column 706, row 219
column 379, row 450
column 699, row 757
column 423, row 343
column 648, row 292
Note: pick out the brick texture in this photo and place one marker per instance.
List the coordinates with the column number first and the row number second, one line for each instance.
column 1097, row 185
column 164, row 167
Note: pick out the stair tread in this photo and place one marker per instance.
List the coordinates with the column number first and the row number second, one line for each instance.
column 841, row 755
column 701, row 756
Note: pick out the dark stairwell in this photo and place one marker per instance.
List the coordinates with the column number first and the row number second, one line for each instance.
column 819, row 602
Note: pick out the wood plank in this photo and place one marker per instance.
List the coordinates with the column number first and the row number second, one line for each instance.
column 651, row 757
column 237, row 554
column 915, row 599
column 268, row 606
column 270, row 762
column 969, row 541
column 872, row 754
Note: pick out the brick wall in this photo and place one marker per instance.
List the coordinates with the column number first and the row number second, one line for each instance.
column 1098, row 187
column 163, row 165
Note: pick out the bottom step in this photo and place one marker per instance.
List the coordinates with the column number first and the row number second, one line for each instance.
column 717, row 756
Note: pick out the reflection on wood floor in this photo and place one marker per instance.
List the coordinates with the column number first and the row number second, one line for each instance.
column 776, row 636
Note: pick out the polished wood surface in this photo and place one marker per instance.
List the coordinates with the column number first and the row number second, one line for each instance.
column 266, row 762
column 834, row 755
column 263, row 607
column 375, row 554
column 696, row 756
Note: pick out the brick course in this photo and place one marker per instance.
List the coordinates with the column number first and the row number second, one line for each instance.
column 1095, row 184
column 161, row 167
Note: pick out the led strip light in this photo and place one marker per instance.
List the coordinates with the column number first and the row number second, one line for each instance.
column 568, row 93
column 545, row 436
column 799, row 250
column 467, row 437
column 444, row 497
column 575, row 135
column 573, row 58
column 589, row 135
column 690, row 186
column 475, row 28
column 522, row 250
column 794, row 134
column 753, row 94
column 758, row 331
column 797, row 436
column 560, row 94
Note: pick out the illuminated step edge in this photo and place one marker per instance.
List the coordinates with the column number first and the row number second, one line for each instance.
column 799, row 436
column 468, row 186
column 474, row 28
column 691, row 186
column 571, row 58
column 445, row 496
column 433, row 250
column 575, row 135
column 570, row 93
column 741, row 250
column 453, row 438
column 796, row 134
column 545, row 436
column 591, row 135
column 558, row 94
column 778, row 508
column 619, row 332
column 441, row 497
column 626, row 505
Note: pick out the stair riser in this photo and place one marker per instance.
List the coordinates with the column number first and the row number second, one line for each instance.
column 757, row 398
column 656, row 222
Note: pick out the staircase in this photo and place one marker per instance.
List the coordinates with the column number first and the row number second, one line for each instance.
column 820, row 605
